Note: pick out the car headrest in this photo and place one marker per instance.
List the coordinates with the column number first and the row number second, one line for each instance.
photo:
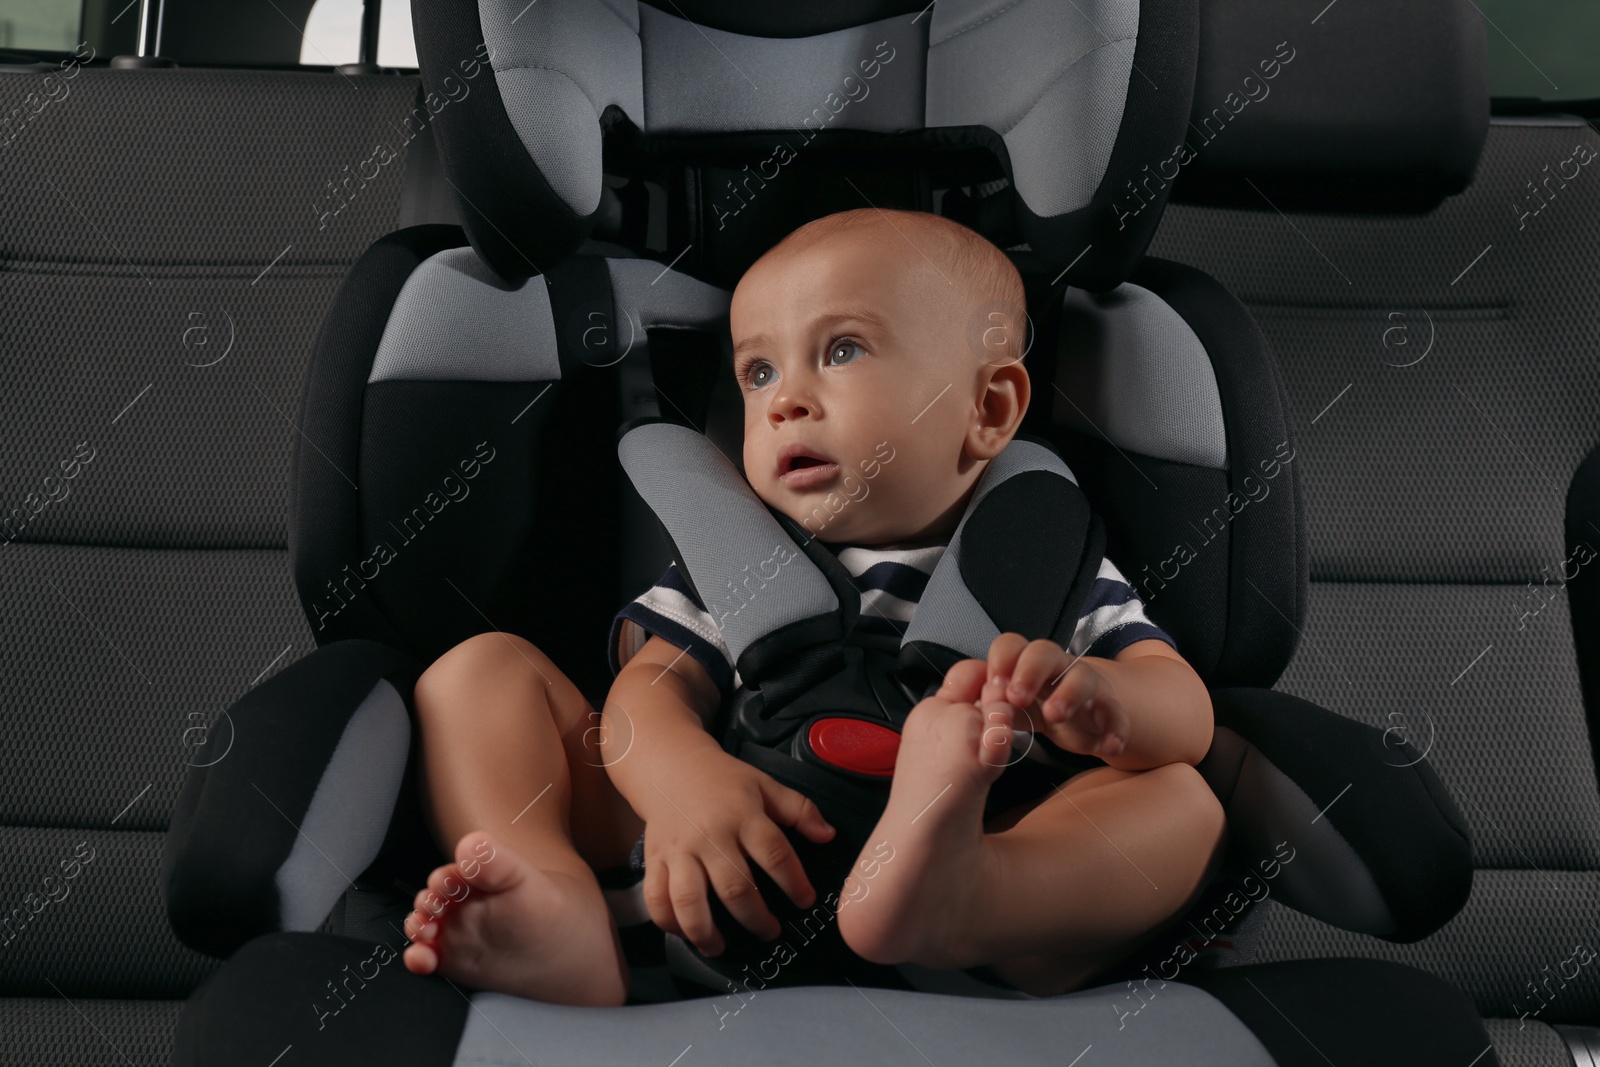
column 852, row 104
column 1354, row 105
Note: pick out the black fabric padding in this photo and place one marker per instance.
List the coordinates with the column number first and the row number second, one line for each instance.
column 333, row 1000
column 1041, row 350
column 1422, row 865
column 516, row 223
column 1382, row 106
column 52, row 1031
column 1269, row 553
column 1459, row 504
column 108, row 685
column 786, row 20
column 1022, row 550
column 882, row 167
column 1310, row 1013
column 177, row 271
column 1430, row 525
column 685, row 364
column 1154, row 117
column 100, row 931
column 1583, row 588
column 1146, row 536
column 226, row 841
column 584, row 311
column 528, row 546
column 323, row 505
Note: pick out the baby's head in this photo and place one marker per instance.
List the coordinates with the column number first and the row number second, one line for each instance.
column 889, row 344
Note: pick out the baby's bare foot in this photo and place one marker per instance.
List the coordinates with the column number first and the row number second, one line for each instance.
column 911, row 894
column 494, row 921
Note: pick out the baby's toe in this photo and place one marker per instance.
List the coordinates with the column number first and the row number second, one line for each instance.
column 484, row 863
column 420, row 959
column 448, row 884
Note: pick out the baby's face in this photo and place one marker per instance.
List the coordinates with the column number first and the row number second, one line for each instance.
column 853, row 351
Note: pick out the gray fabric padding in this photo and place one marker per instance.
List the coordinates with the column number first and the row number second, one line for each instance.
column 1466, row 486
column 558, row 65
column 696, row 492
column 1058, row 109
column 1058, row 106
column 86, row 730
column 948, row 614
column 1520, row 1043
column 1508, row 739
column 48, row 1031
column 456, row 320
column 152, row 216
column 105, row 933
column 349, row 812
column 1327, row 877
column 648, row 297
column 1436, row 492
column 807, row 1025
column 689, row 87
column 1133, row 372
column 140, row 219
column 123, row 150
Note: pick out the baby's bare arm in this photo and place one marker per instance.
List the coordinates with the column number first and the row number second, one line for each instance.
column 654, row 722
column 704, row 810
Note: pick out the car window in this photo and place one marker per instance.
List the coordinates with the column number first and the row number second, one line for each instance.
column 333, row 34
column 1543, row 48
column 40, row 25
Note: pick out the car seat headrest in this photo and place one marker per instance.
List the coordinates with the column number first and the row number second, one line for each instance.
column 1361, row 105
column 1052, row 109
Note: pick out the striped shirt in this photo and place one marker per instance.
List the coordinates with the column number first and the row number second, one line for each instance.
column 891, row 582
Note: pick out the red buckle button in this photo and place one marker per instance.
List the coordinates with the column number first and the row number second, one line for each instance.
column 855, row 745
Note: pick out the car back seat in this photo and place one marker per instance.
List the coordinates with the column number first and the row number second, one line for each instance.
column 169, row 247
column 1444, row 389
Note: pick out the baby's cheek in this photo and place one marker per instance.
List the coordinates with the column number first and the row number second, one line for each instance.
column 854, row 487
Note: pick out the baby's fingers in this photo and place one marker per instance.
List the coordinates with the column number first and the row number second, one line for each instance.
column 1039, row 669
column 790, row 807
column 730, row 876
column 658, row 896
column 770, row 848
column 689, row 904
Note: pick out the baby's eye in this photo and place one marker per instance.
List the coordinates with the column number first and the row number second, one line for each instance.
column 752, row 373
column 841, row 346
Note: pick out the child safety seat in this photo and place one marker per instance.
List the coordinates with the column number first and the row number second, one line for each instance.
column 820, row 705
column 617, row 164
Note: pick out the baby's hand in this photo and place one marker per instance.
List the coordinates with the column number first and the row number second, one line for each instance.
column 708, row 812
column 1068, row 699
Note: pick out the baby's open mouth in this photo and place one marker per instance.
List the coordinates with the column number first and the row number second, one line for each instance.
column 800, row 467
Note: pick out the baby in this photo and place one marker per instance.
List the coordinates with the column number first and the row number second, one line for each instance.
column 861, row 328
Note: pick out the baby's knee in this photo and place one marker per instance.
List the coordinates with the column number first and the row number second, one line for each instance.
column 475, row 660
column 1191, row 793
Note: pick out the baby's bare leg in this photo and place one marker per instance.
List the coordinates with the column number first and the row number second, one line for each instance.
column 1047, row 898
column 508, row 747
column 502, row 729
column 1095, row 868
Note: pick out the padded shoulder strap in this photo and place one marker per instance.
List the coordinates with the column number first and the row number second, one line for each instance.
column 750, row 574
column 1022, row 559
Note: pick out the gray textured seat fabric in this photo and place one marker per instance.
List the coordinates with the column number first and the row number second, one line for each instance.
column 1195, row 1030
column 170, row 245
column 1444, row 385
